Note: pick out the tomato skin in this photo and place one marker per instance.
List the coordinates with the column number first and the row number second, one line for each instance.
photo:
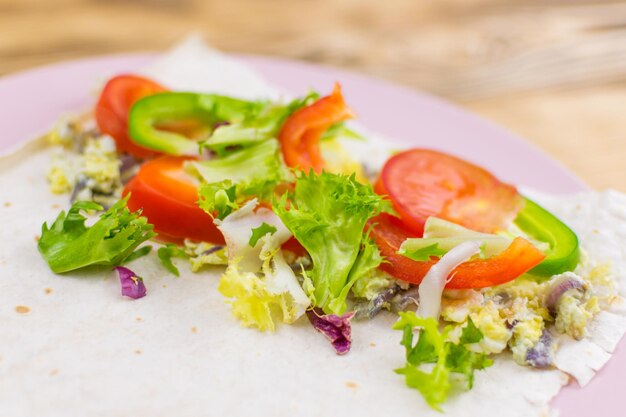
column 389, row 234
column 168, row 198
column 520, row 257
column 114, row 104
column 423, row 183
column 300, row 134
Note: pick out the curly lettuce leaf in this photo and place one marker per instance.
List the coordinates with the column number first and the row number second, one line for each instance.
column 425, row 253
column 372, row 284
column 139, row 253
column 367, row 260
column 257, row 298
column 169, row 251
column 255, row 126
column 259, row 232
column 258, row 283
column 248, row 297
column 441, row 236
column 327, row 214
column 202, row 254
column 432, row 347
column 68, row 244
column 219, row 199
column 229, row 180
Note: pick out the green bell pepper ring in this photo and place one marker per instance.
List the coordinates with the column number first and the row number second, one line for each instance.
column 543, row 226
column 147, row 113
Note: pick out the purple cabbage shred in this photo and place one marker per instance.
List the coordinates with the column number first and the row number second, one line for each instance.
column 540, row 355
column 220, row 124
column 132, row 285
column 368, row 310
column 406, row 300
column 213, row 250
column 561, row 285
column 336, row 328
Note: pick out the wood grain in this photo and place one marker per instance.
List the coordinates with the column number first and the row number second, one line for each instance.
column 553, row 72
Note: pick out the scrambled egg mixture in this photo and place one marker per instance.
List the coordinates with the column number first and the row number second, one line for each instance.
column 85, row 163
column 518, row 314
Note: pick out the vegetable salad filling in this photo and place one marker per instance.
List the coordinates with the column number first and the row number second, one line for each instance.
column 266, row 191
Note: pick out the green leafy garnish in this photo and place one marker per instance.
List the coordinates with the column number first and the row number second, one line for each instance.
column 340, row 130
column 424, row 254
column 441, row 236
column 258, row 283
column 69, row 245
column 219, row 199
column 433, row 347
column 471, row 333
column 259, row 232
column 327, row 214
column 139, row 253
column 258, row 125
column 169, row 251
column 253, row 171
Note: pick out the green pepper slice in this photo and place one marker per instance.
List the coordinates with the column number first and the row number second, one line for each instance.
column 209, row 109
column 538, row 223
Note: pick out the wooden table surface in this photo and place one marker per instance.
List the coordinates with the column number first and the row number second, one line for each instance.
column 552, row 72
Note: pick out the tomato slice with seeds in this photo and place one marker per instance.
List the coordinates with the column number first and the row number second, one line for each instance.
column 114, row 104
column 423, row 183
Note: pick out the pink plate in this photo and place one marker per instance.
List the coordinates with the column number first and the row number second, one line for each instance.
column 31, row 101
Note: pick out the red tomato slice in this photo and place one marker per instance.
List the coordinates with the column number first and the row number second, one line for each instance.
column 388, row 234
column 168, row 197
column 300, row 135
column 423, row 183
column 518, row 258
column 116, row 99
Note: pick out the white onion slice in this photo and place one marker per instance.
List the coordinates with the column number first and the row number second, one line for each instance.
column 237, row 230
column 431, row 288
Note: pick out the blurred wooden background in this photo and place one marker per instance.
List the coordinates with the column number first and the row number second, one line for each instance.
column 553, row 72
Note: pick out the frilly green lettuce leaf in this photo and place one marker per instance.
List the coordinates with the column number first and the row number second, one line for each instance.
column 218, row 199
column 258, row 283
column 203, row 254
column 259, row 232
column 169, row 251
column 229, row 180
column 68, row 244
column 327, row 214
column 425, row 253
column 372, row 284
column 249, row 298
column 260, row 124
column 433, row 347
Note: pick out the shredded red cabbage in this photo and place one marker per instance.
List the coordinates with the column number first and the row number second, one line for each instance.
column 132, row 285
column 336, row 329
column 560, row 286
column 540, row 355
